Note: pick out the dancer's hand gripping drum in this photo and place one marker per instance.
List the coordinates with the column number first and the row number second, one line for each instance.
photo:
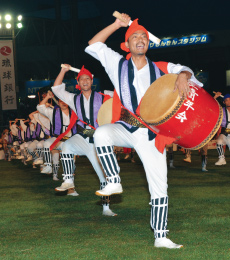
column 193, row 121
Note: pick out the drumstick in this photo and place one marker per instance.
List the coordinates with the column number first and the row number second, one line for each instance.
column 54, row 99
column 152, row 37
column 48, row 104
column 73, row 69
column 17, row 119
column 219, row 96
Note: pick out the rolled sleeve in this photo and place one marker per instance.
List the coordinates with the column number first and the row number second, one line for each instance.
column 24, row 127
column 43, row 120
column 105, row 55
column 46, row 111
column 177, row 69
column 14, row 130
column 64, row 95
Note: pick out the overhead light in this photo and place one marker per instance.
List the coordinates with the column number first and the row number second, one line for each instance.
column 19, row 18
column 8, row 25
column 8, row 17
column 19, row 25
column 31, row 96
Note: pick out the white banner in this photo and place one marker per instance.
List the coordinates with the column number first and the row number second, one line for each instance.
column 7, row 76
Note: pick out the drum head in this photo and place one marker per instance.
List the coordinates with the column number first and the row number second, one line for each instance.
column 104, row 115
column 159, row 101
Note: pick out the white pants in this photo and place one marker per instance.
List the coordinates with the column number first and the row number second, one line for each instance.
column 35, row 145
column 27, row 144
column 32, row 146
column 55, row 154
column 77, row 145
column 40, row 144
column 2, row 155
column 22, row 146
column 15, row 145
column 153, row 161
column 49, row 142
column 223, row 140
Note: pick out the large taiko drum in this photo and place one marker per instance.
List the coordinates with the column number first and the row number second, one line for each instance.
column 104, row 115
column 193, row 121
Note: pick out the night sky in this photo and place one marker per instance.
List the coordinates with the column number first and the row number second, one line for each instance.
column 161, row 17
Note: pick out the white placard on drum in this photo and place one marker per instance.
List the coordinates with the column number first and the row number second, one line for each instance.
column 7, row 75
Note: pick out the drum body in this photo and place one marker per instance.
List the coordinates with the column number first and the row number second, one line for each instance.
column 193, row 122
column 105, row 115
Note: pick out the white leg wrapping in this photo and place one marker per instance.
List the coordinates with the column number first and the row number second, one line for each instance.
column 159, row 214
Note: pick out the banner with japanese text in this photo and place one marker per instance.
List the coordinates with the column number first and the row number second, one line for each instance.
column 182, row 41
column 7, row 75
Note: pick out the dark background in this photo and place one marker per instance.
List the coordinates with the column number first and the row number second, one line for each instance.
column 57, row 31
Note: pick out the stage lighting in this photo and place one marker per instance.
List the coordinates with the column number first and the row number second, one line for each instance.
column 8, row 17
column 8, row 25
column 19, row 25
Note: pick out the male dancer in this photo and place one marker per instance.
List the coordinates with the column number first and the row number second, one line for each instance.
column 59, row 118
column 21, row 139
column 86, row 105
column 14, row 131
column 171, row 155
column 22, row 132
column 224, row 137
column 29, row 129
column 203, row 153
column 7, row 144
column 131, row 79
column 2, row 153
column 44, row 122
column 35, row 148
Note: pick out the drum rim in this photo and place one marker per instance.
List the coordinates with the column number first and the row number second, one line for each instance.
column 175, row 106
column 213, row 132
column 100, row 116
column 164, row 118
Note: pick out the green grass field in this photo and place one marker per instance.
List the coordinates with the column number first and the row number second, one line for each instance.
column 36, row 223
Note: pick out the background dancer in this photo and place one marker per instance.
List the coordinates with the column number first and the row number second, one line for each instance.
column 224, row 137
column 86, row 105
column 59, row 117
